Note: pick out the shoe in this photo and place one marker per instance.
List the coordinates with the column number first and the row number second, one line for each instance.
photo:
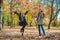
column 22, row 31
column 39, row 34
column 22, row 34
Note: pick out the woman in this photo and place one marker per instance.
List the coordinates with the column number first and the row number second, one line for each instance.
column 22, row 20
column 40, row 22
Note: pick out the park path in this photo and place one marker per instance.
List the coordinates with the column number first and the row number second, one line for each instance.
column 29, row 32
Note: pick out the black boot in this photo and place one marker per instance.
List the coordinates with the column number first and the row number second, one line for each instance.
column 22, row 31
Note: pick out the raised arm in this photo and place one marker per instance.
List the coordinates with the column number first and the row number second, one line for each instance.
column 16, row 13
column 26, row 12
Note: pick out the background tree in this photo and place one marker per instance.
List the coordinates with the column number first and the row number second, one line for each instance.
column 53, row 15
column 1, row 1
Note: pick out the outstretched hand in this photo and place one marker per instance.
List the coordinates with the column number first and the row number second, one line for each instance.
column 15, row 13
column 26, row 12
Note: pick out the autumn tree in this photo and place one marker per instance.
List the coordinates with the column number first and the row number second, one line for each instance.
column 52, row 16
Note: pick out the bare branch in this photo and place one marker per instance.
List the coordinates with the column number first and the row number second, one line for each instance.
column 56, row 14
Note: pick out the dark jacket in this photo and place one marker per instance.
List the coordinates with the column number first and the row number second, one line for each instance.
column 22, row 19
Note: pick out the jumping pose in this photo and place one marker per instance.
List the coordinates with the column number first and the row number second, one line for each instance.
column 22, row 20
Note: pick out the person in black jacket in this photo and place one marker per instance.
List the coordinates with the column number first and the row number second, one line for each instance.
column 22, row 20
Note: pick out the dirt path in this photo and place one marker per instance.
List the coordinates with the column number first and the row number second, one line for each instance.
column 29, row 34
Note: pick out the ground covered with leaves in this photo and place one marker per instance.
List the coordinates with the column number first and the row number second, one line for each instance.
column 29, row 34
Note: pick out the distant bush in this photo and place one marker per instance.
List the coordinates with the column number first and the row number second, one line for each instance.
column 45, row 24
column 57, row 23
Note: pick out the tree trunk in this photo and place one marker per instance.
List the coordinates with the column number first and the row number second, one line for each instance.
column 11, row 14
column 51, row 14
column 52, row 18
column 1, row 14
column 49, row 24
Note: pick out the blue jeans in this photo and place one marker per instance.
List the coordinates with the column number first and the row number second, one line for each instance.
column 39, row 29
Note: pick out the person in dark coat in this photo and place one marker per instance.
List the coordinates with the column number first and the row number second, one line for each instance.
column 22, row 20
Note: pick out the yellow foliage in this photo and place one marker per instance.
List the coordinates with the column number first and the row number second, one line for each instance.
column 31, row 6
column 28, row 18
column 15, row 19
column 4, row 6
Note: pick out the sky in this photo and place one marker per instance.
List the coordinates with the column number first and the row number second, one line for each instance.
column 58, row 16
